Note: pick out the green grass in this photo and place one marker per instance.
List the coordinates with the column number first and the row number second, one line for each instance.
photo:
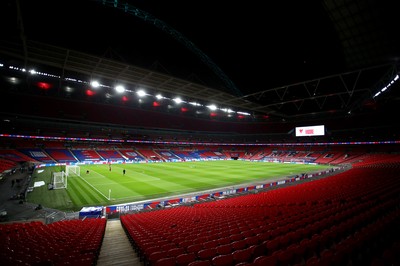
column 154, row 180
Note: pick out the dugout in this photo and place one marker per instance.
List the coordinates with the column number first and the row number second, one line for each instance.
column 91, row 212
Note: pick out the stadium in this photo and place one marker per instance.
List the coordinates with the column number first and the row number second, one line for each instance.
column 107, row 158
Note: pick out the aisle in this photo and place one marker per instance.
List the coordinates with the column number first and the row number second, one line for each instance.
column 116, row 248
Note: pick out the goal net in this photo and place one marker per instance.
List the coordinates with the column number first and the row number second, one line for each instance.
column 59, row 180
column 72, row 170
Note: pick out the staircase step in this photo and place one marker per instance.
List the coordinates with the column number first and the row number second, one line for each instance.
column 116, row 248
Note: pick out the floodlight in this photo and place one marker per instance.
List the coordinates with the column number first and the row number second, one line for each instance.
column 141, row 93
column 95, row 84
column 120, row 89
column 177, row 100
column 212, row 107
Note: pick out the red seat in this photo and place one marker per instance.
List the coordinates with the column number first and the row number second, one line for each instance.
column 207, row 254
column 194, row 248
column 244, row 264
column 200, row 263
column 184, row 244
column 260, row 250
column 224, row 249
column 270, row 260
column 223, row 260
column 326, row 257
column 236, row 237
column 239, row 244
column 242, row 255
column 224, row 240
column 210, row 244
column 185, row 259
column 286, row 257
column 155, row 256
column 147, row 251
column 174, row 252
column 251, row 240
column 165, row 262
column 312, row 261
column 272, row 245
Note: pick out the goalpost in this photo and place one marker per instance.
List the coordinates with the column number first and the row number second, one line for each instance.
column 72, row 169
column 60, row 180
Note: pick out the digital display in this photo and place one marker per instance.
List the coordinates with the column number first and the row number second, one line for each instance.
column 310, row 131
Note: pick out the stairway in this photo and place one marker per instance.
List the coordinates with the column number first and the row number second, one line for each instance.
column 116, row 248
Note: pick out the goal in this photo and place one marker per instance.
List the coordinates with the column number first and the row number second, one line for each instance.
column 72, row 170
column 60, row 180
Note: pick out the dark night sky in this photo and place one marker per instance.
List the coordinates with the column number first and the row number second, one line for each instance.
column 258, row 45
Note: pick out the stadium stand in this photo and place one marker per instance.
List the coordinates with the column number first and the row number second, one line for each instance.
column 110, row 155
column 350, row 217
column 353, row 215
column 75, row 242
column 131, row 154
column 86, row 155
column 37, row 154
column 16, row 156
column 61, row 155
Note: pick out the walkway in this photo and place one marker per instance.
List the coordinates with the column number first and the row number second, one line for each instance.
column 116, row 248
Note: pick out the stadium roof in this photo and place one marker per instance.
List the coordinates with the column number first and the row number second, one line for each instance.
column 289, row 60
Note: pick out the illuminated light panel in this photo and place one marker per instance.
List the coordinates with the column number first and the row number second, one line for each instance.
column 69, row 89
column 89, row 92
column 13, row 80
column 184, row 109
column 156, row 104
column 44, row 85
column 124, row 98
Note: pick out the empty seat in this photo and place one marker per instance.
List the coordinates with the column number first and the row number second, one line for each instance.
column 200, row 263
column 243, row 255
column 224, row 249
column 223, row 260
column 165, row 262
column 207, row 254
column 240, row 244
column 155, row 256
column 185, row 259
column 194, row 248
column 174, row 252
column 269, row 260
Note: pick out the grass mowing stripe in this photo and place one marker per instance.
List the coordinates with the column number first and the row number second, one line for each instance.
column 91, row 196
column 80, row 191
column 94, row 188
column 75, row 195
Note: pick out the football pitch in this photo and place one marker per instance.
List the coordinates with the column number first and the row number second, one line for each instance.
column 103, row 184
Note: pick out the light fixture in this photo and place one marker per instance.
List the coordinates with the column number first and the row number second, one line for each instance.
column 141, row 93
column 120, row 88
